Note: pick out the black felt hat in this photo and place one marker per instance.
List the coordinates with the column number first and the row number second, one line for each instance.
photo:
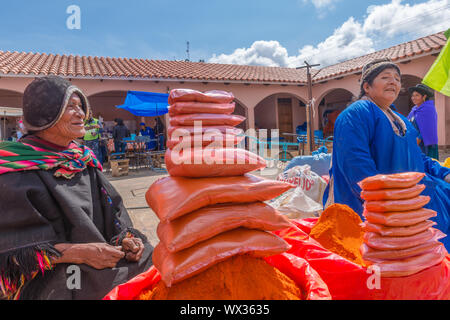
column 422, row 89
column 45, row 100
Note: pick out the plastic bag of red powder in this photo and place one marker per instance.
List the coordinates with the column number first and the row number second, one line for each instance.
column 393, row 194
column 374, row 255
column 200, row 107
column 376, row 241
column 391, row 181
column 210, row 221
column 175, row 267
column 186, row 95
column 181, row 131
column 206, row 119
column 172, row 197
column 412, row 265
column 399, row 219
column 397, row 231
column 212, row 162
column 216, row 141
column 397, row 205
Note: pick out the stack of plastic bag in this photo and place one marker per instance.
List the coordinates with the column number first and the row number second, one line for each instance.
column 399, row 237
column 210, row 212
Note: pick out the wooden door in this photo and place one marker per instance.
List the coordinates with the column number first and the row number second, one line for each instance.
column 285, row 118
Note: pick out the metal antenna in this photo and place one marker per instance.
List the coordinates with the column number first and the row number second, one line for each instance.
column 187, row 51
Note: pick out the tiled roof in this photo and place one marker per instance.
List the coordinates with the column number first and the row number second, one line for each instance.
column 21, row 63
column 403, row 51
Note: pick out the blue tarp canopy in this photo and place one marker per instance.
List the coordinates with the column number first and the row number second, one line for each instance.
column 146, row 104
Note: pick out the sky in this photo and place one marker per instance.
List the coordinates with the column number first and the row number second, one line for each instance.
column 282, row 33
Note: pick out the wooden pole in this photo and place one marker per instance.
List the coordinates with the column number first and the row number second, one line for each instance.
column 309, row 111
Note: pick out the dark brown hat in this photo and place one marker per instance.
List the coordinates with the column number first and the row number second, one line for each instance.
column 45, row 100
column 422, row 89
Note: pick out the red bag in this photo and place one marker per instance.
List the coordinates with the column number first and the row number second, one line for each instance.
column 200, row 107
column 182, row 131
column 306, row 278
column 214, row 96
column 376, row 241
column 393, row 194
column 397, row 205
column 175, row 267
column 398, row 231
column 209, row 162
column 210, row 221
column 412, row 265
column 399, row 219
column 206, row 119
column 216, row 141
column 374, row 255
column 349, row 281
column 172, row 197
column 391, row 181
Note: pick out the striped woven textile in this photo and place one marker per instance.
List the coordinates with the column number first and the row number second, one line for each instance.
column 18, row 156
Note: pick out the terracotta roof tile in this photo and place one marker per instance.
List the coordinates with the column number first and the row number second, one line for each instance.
column 105, row 67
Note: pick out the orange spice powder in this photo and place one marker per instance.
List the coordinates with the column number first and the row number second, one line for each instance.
column 239, row 278
column 338, row 230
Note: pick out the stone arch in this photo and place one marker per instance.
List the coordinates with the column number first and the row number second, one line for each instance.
column 328, row 106
column 9, row 99
column 403, row 102
column 283, row 111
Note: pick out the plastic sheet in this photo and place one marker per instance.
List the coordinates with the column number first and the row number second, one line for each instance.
column 400, row 219
column 212, row 162
column 393, row 194
column 391, row 181
column 397, row 205
column 397, row 231
column 208, row 222
column 175, row 267
column 172, row 197
column 349, row 281
column 206, row 119
column 200, row 107
column 213, row 96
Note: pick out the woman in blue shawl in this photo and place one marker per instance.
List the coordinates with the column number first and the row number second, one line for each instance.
column 370, row 138
column 424, row 118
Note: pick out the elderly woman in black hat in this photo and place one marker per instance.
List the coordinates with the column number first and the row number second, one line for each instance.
column 371, row 138
column 64, row 231
column 424, row 118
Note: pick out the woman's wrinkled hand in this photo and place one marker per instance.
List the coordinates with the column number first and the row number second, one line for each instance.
column 101, row 255
column 133, row 248
column 447, row 178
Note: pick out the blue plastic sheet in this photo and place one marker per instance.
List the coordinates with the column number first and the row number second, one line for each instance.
column 146, row 104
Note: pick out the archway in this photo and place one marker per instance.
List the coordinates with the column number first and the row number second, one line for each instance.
column 331, row 104
column 9, row 99
column 282, row 111
column 104, row 104
column 403, row 102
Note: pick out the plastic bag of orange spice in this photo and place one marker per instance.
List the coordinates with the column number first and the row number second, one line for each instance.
column 348, row 280
column 282, row 268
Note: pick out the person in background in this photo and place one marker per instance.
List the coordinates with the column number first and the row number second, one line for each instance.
column 20, row 128
column 371, row 138
column 92, row 136
column 58, row 209
column 160, row 134
column 424, row 118
column 120, row 131
column 148, row 131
